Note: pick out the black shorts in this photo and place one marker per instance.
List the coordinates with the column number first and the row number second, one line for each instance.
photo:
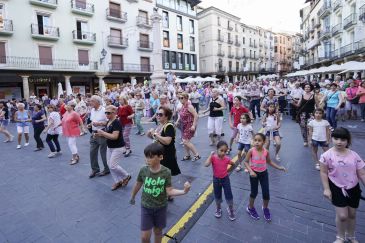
column 153, row 218
column 339, row 200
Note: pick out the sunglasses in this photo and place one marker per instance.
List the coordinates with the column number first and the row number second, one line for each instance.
column 108, row 113
column 181, row 98
column 159, row 114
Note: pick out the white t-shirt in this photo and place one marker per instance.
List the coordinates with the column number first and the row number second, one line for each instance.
column 319, row 129
column 98, row 116
column 54, row 128
column 245, row 133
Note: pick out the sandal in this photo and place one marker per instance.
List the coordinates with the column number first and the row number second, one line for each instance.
column 339, row 240
column 126, row 180
column 197, row 157
column 186, row 157
column 117, row 185
column 75, row 160
column 352, row 239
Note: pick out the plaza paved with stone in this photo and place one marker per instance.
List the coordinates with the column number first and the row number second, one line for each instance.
column 47, row 200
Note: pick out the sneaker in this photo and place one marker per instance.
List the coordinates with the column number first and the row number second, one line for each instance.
column 19, row 146
column 26, row 144
column 277, row 157
column 142, row 134
column 253, row 213
column 239, row 168
column 59, row 152
column 218, row 213
column 305, row 144
column 246, row 170
column 231, row 215
column 137, row 133
column 267, row 214
column 52, row 155
column 318, row 167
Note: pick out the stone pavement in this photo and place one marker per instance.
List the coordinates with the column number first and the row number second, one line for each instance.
column 47, row 200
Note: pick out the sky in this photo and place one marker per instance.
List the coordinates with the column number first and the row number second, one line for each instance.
column 278, row 15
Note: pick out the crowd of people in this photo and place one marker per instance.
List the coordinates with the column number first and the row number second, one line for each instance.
column 111, row 117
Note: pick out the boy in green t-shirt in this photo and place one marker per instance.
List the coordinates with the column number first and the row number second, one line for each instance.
column 156, row 181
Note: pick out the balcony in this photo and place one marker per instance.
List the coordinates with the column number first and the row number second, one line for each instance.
column 335, row 54
column 317, row 24
column 82, row 8
column 325, row 10
column 238, row 57
column 133, row 1
column 362, row 13
column 6, row 27
column 43, row 32
column 128, row 67
column 255, row 45
column 230, row 28
column 337, row 5
column 30, row 63
column 117, row 42
column 230, row 41
column 83, row 37
column 337, row 29
column 220, row 53
column 230, row 55
column 144, row 22
column 221, row 69
column 325, row 33
column 346, row 50
column 237, row 43
column 45, row 3
column 116, row 15
column 251, row 45
column 349, row 21
column 220, row 39
column 145, row 46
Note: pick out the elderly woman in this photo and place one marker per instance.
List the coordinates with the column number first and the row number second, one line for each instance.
column 165, row 135
column 71, row 122
column 22, row 118
column 4, row 121
column 38, row 119
column 115, row 143
column 352, row 101
column 188, row 117
column 126, row 114
column 138, row 111
column 215, row 119
column 53, row 130
column 361, row 94
column 333, row 99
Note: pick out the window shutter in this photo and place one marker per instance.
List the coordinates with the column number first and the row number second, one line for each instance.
column 83, row 57
column 45, row 55
column 2, row 52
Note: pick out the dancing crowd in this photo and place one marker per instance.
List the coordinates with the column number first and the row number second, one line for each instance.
column 109, row 118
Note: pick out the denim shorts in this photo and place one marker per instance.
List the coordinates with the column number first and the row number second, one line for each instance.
column 316, row 144
column 274, row 133
column 153, row 218
column 242, row 146
column 4, row 123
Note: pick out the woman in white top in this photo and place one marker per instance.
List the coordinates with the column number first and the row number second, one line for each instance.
column 53, row 130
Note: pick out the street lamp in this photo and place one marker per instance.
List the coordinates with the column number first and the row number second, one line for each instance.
column 103, row 55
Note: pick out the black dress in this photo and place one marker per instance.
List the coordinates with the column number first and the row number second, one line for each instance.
column 169, row 156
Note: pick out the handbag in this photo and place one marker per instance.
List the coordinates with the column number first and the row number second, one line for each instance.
column 355, row 100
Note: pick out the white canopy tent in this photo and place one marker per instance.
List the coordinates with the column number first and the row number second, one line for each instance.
column 68, row 88
column 60, row 90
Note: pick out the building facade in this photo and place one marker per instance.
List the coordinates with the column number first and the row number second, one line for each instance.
column 333, row 32
column 44, row 42
column 180, row 49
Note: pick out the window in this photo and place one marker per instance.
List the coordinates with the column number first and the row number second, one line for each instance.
column 180, row 41
column 2, row 52
column 230, row 66
column 193, row 62
column 43, row 22
column 166, row 60
column 244, row 40
column 180, row 61
column 114, row 10
column 165, row 19
column 179, row 23
column 187, row 62
column 116, row 36
column 173, row 60
column 250, row 53
column 117, row 62
column 166, row 39
column 143, row 16
column 45, row 55
column 83, row 57
column 80, row 4
column 254, row 54
column 192, row 27
column 275, row 49
column 219, row 34
column 144, row 41
column 192, row 44
column 145, row 64
column 244, row 52
column 237, row 67
column 81, row 30
column 219, row 21
column 229, row 37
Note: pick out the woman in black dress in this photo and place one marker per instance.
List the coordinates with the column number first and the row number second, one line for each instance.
column 305, row 111
column 165, row 135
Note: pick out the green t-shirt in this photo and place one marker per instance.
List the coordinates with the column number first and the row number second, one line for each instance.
column 154, row 193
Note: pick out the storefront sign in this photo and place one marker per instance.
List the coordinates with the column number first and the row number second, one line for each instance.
column 8, row 93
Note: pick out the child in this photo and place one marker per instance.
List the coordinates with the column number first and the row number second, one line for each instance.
column 341, row 170
column 271, row 122
column 256, row 162
column 319, row 134
column 244, row 138
column 156, row 181
column 219, row 163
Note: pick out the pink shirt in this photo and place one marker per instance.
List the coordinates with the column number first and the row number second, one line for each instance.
column 258, row 161
column 70, row 124
column 342, row 169
column 361, row 90
column 351, row 92
column 220, row 166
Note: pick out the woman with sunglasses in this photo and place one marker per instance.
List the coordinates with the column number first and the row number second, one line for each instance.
column 115, row 143
column 165, row 135
column 188, row 118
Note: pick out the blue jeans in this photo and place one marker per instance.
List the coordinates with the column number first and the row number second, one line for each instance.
column 255, row 107
column 331, row 116
column 218, row 184
column 138, row 117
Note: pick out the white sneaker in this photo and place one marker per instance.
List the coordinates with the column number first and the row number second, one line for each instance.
column 26, row 144
column 277, row 158
column 19, row 146
column 59, row 152
column 52, row 155
column 239, row 167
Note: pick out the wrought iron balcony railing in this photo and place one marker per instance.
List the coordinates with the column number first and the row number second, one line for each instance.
column 43, row 31
column 117, row 41
column 128, row 67
column 116, row 15
column 82, row 7
column 349, row 21
column 6, row 25
column 142, row 21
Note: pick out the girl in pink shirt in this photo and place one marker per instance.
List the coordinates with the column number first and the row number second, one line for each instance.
column 220, row 162
column 256, row 162
column 341, row 171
